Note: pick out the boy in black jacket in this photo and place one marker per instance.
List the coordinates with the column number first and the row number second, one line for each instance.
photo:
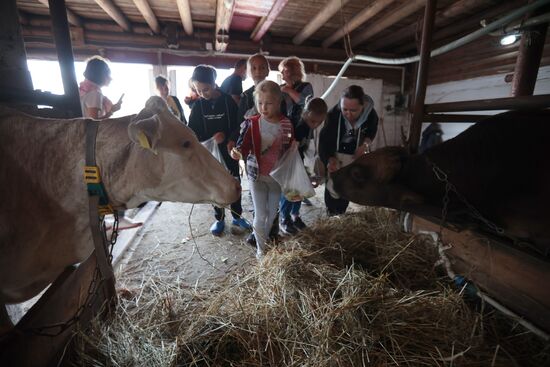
column 214, row 115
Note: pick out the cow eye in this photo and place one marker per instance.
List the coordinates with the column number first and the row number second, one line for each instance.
column 186, row 144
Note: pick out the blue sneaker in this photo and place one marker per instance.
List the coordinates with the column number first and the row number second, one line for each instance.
column 217, row 227
column 243, row 223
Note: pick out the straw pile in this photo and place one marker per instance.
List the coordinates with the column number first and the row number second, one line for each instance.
column 319, row 300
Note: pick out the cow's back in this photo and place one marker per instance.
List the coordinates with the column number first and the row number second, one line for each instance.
column 501, row 166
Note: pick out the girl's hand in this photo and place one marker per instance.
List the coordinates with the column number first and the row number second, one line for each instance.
column 236, row 154
column 230, row 145
column 116, row 106
column 219, row 137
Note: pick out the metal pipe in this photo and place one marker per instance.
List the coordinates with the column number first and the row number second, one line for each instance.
column 443, row 49
column 520, row 26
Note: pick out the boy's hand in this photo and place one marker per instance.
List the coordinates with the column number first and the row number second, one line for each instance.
column 333, row 165
column 219, row 137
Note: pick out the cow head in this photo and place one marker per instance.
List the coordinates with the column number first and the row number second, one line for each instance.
column 178, row 167
column 375, row 179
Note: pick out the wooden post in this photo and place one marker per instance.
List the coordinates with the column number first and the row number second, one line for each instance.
column 422, row 76
column 528, row 61
column 14, row 72
column 62, row 37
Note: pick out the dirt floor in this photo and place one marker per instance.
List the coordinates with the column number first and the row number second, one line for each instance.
column 176, row 244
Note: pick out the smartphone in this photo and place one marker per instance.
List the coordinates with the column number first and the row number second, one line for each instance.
column 120, row 99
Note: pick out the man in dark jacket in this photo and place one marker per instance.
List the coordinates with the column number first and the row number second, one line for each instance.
column 233, row 84
column 350, row 128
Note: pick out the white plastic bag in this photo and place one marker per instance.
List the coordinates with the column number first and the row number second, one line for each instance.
column 214, row 149
column 291, row 174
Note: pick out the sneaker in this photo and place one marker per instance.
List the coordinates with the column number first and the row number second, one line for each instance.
column 288, row 227
column 251, row 240
column 299, row 223
column 241, row 222
column 217, row 227
column 307, row 202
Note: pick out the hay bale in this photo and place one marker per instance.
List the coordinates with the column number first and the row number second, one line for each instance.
column 307, row 304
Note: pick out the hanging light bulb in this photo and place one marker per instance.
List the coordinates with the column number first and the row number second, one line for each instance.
column 509, row 39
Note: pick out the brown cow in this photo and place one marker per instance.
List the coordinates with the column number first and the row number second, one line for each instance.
column 44, row 224
column 500, row 166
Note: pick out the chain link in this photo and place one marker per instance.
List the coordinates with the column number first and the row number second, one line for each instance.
column 449, row 187
column 93, row 288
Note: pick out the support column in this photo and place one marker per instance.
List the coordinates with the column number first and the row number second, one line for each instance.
column 62, row 38
column 422, row 76
column 528, row 61
column 14, row 73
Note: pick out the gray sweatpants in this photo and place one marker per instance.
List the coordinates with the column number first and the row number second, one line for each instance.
column 266, row 193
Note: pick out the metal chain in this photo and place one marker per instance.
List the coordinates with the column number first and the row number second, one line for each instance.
column 93, row 288
column 449, row 187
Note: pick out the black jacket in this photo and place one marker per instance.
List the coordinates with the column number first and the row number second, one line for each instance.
column 209, row 117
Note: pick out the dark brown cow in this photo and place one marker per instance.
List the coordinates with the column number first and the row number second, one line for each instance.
column 501, row 166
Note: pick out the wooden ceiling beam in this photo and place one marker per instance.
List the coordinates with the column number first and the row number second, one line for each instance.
column 332, row 7
column 441, row 17
column 224, row 15
column 266, row 22
column 185, row 15
column 71, row 16
column 148, row 14
column 410, row 7
column 115, row 13
column 451, row 32
column 366, row 14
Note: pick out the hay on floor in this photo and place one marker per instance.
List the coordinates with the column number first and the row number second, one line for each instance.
column 344, row 293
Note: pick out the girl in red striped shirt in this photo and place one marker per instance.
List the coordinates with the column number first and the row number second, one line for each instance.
column 264, row 138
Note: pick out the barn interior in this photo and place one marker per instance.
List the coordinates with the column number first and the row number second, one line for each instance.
column 486, row 75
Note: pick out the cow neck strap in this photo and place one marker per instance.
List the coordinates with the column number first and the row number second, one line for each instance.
column 96, row 191
column 92, row 175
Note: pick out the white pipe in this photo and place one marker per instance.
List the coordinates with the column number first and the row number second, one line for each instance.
column 443, row 49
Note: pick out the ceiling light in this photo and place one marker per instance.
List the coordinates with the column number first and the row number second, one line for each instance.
column 509, row 39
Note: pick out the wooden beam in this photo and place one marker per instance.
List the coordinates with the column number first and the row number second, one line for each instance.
column 528, row 61
column 513, row 277
column 62, row 37
column 115, row 13
column 451, row 32
column 510, row 103
column 185, row 15
column 147, row 13
column 224, row 15
column 422, row 76
column 441, row 17
column 410, row 8
column 444, row 117
column 370, row 11
column 331, row 8
column 276, row 9
column 14, row 72
column 71, row 16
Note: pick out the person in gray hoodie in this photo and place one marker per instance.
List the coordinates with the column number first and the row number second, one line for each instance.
column 349, row 129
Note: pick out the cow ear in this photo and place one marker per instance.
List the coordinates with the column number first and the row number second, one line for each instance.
column 145, row 132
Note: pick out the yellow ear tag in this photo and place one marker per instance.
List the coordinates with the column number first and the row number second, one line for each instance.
column 144, row 142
